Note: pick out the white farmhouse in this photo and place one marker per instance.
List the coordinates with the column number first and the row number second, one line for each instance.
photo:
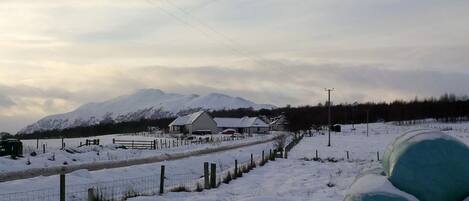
column 196, row 122
column 243, row 125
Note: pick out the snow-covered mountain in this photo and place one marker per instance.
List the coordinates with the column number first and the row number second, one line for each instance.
column 145, row 103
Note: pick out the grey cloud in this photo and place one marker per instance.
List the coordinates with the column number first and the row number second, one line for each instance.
column 29, row 91
column 5, row 101
column 304, row 83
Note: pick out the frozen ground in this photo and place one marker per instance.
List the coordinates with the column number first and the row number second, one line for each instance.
column 120, row 180
column 299, row 178
column 107, row 152
column 55, row 144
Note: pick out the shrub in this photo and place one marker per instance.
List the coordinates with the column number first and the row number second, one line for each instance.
column 227, row 178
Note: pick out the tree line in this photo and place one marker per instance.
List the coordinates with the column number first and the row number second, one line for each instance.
column 447, row 108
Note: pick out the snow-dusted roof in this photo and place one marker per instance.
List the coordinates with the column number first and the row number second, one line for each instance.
column 187, row 119
column 244, row 122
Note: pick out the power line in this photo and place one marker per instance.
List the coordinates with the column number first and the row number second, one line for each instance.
column 221, row 38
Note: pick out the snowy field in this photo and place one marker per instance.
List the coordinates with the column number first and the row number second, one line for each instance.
column 299, row 178
column 142, row 178
column 107, row 152
column 55, row 144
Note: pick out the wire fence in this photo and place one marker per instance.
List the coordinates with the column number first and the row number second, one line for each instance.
column 120, row 189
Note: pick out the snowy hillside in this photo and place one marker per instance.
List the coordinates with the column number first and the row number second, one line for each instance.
column 146, row 103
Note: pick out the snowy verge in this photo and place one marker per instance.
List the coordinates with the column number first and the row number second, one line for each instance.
column 47, row 171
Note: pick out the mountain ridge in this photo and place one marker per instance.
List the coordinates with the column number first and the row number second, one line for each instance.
column 144, row 103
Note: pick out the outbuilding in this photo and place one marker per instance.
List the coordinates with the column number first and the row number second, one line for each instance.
column 243, row 125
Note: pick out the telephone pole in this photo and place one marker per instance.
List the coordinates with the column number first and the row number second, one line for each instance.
column 367, row 121
column 329, row 113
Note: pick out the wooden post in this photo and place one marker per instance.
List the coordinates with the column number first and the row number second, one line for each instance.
column 348, row 156
column 154, row 144
column 162, row 180
column 262, row 157
column 63, row 144
column 91, row 194
column 62, row 187
column 317, row 155
column 377, row 155
column 252, row 161
column 286, row 154
column 236, row 169
column 213, row 175
column 113, row 141
column 43, row 148
column 206, row 176
column 270, row 154
column 37, row 142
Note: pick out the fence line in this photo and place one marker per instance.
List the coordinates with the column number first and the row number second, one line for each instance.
column 120, row 189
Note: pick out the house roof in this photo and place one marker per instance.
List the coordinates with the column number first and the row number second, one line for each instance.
column 187, row 119
column 244, row 122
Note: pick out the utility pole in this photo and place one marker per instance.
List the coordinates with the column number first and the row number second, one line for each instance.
column 367, row 121
column 329, row 113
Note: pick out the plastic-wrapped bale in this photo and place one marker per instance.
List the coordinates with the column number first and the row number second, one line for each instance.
column 372, row 187
column 429, row 164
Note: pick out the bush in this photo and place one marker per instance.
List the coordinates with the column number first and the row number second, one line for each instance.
column 228, row 178
column 199, row 187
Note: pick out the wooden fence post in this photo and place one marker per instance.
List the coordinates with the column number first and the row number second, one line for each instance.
column 377, row 155
column 43, row 148
column 213, row 175
column 262, row 160
column 62, row 187
column 206, row 176
column 348, row 156
column 63, row 144
column 91, row 194
column 162, row 180
column 270, row 154
column 236, row 169
column 113, row 141
column 252, row 161
column 317, row 155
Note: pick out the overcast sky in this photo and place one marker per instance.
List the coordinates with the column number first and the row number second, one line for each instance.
column 57, row 55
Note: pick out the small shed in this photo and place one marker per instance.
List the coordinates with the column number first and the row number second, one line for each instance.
column 336, row 128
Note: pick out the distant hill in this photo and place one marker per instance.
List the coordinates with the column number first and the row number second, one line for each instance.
column 144, row 104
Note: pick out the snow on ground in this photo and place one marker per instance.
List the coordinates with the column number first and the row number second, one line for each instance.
column 55, row 144
column 182, row 171
column 284, row 179
column 107, row 152
column 300, row 178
